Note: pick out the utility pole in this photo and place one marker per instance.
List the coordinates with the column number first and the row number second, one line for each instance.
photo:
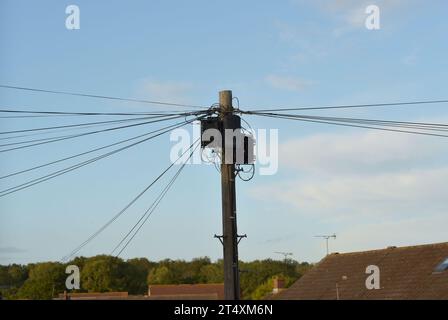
column 229, row 225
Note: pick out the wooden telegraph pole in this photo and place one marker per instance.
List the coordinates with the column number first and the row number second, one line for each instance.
column 229, row 226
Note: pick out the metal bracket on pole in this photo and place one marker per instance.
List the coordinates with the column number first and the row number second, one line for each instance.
column 241, row 237
column 219, row 238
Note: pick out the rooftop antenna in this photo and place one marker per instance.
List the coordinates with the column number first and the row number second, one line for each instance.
column 327, row 237
column 285, row 254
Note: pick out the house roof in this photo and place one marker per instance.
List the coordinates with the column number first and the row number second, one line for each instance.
column 405, row 273
column 187, row 291
column 213, row 291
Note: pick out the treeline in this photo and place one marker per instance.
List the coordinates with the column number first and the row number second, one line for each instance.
column 106, row 273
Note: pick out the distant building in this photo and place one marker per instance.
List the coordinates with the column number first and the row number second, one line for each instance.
column 278, row 285
column 94, row 296
column 209, row 291
column 213, row 291
column 416, row 272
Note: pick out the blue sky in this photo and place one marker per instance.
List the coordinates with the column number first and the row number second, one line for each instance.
column 372, row 189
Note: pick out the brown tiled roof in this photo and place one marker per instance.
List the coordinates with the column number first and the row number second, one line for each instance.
column 187, row 291
column 405, row 273
column 213, row 291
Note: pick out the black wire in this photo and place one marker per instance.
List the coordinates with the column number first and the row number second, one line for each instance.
column 74, row 167
column 86, row 152
column 85, row 124
column 100, row 96
column 93, row 125
column 386, row 123
column 34, row 140
column 237, row 103
column 46, row 133
column 79, row 165
column 248, row 124
column 359, row 126
column 29, row 116
column 72, row 127
column 42, row 114
column 89, row 133
column 153, row 206
column 423, row 124
column 353, row 125
column 41, row 139
column 61, row 136
column 95, row 234
column 428, row 126
column 351, row 106
column 215, row 164
column 241, row 170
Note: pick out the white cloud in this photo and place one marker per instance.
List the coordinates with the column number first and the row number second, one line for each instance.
column 350, row 14
column 379, row 195
column 398, row 233
column 358, row 153
column 177, row 92
column 304, row 37
column 288, row 83
column 353, row 11
column 370, row 175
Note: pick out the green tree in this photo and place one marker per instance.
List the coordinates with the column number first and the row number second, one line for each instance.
column 138, row 270
column 105, row 274
column 18, row 274
column 212, row 273
column 265, row 289
column 259, row 271
column 45, row 281
column 161, row 275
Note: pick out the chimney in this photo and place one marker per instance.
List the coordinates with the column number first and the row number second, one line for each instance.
column 278, row 285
